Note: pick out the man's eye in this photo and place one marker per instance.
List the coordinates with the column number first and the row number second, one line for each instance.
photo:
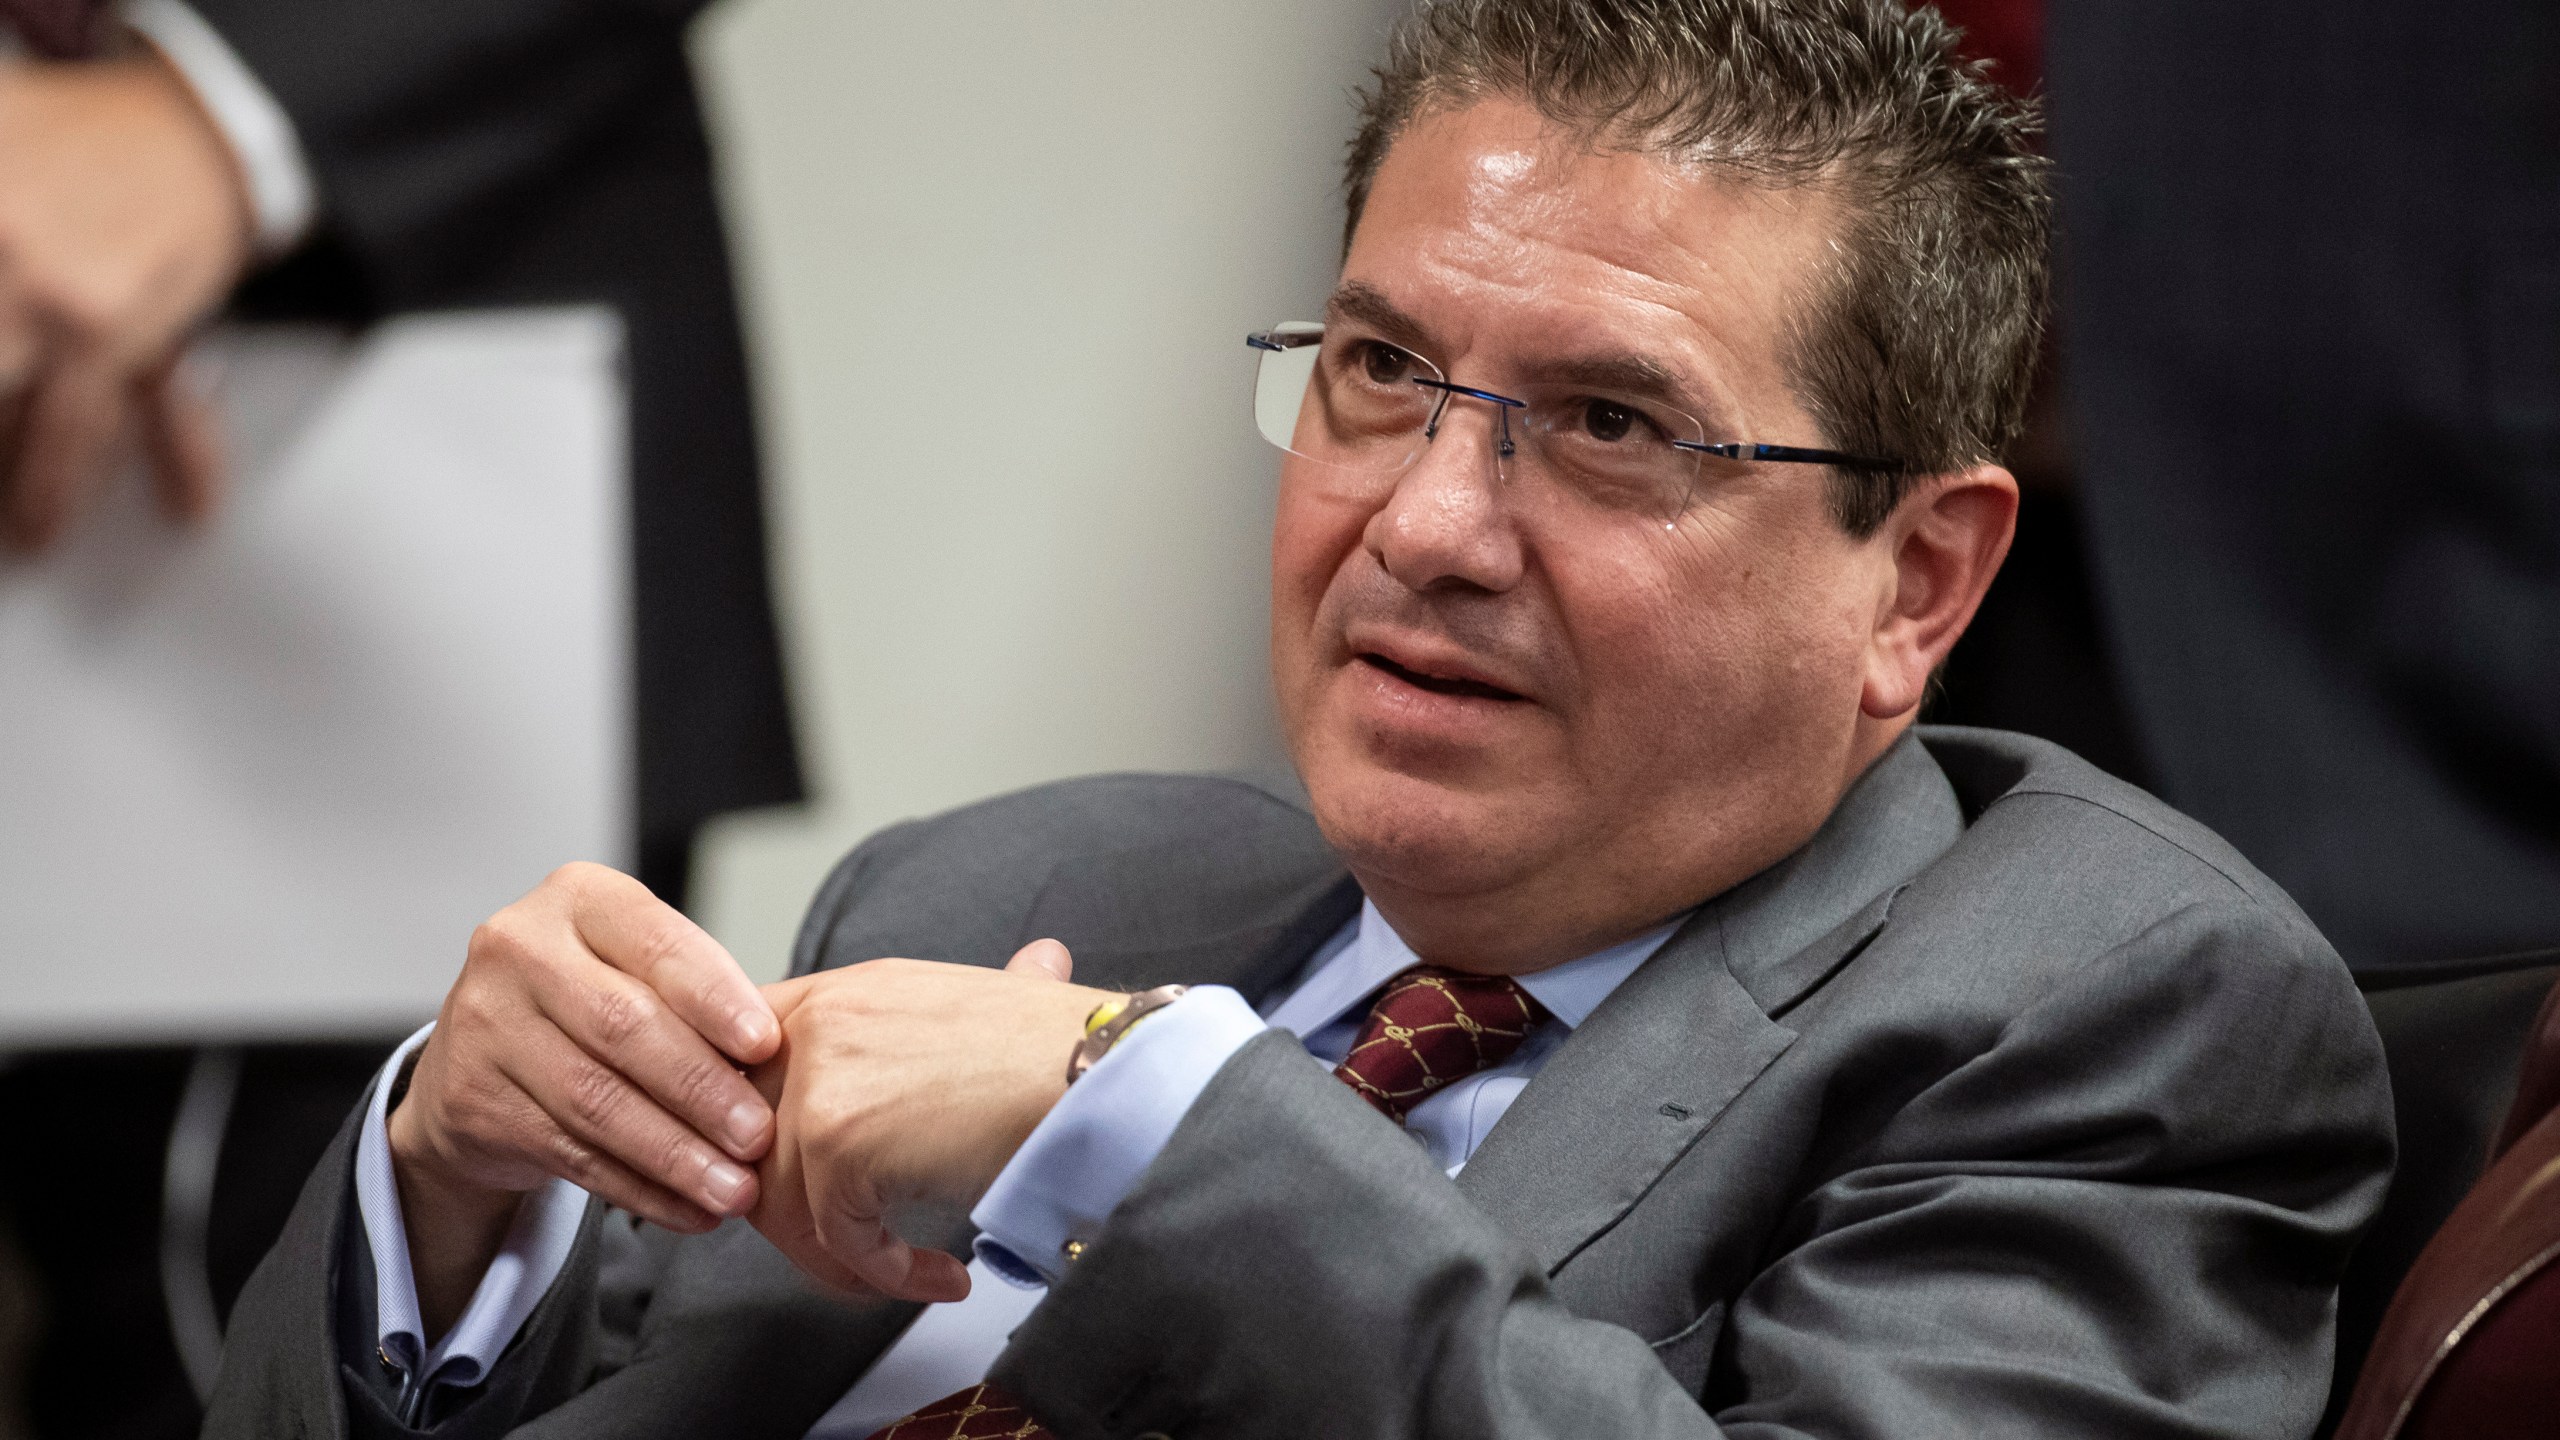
column 1610, row 421
column 1386, row 365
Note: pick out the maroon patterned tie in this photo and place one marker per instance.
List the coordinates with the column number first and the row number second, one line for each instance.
column 1431, row 1028
column 57, row 29
column 1428, row 1030
column 981, row 1412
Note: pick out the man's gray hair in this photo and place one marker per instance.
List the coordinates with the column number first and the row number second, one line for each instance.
column 1923, row 343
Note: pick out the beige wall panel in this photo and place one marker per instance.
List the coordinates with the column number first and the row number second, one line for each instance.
column 1000, row 258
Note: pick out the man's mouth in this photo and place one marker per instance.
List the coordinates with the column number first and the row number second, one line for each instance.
column 1438, row 684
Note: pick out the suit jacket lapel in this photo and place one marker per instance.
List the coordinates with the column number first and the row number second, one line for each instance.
column 1659, row 1061
column 1292, row 943
column 1635, row 1086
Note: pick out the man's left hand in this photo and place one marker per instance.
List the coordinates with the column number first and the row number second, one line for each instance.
column 906, row 1082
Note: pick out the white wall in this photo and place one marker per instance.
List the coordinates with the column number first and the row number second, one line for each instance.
column 1000, row 258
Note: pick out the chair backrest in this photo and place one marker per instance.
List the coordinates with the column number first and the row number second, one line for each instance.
column 2537, row 1079
column 2454, row 1036
column 2470, row 1345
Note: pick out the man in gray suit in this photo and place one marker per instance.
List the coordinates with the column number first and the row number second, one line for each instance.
column 1701, row 1050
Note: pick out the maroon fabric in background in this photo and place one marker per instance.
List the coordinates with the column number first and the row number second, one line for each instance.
column 2470, row 1348
column 2503, row 1381
column 2008, row 33
column 56, row 29
column 2538, row 1083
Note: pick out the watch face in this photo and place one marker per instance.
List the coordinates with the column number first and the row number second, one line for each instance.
column 1114, row 1018
column 1106, row 1012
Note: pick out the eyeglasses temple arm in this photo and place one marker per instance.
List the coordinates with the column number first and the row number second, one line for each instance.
column 1787, row 455
column 1276, row 342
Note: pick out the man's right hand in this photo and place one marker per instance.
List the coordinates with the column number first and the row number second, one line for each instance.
column 123, row 221
column 595, row 1035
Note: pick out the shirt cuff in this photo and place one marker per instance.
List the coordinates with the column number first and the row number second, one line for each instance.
column 1088, row 1152
column 282, row 199
column 536, row 1248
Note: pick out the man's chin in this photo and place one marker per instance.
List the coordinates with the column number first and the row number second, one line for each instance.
column 1421, row 833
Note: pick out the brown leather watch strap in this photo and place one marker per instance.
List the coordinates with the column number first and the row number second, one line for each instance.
column 1112, row 1019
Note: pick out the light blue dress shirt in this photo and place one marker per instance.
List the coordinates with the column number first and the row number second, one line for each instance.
column 537, row 1245
column 1061, row 1186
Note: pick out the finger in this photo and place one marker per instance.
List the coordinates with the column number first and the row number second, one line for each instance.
column 781, row 1213
column 598, row 1110
column 619, row 1185
column 802, row 1248
column 183, row 439
column 782, row 1217
column 21, row 329
column 783, row 997
column 827, row 1217
column 13, row 423
column 1043, row 957
column 632, row 1030
column 534, row 1142
column 905, row 1272
column 875, row 1255
column 21, row 335
column 66, row 441
column 651, row 941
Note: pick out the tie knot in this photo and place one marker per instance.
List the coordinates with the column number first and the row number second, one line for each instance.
column 1431, row 1028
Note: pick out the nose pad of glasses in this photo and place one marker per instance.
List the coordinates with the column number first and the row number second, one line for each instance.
column 1503, row 405
column 1439, row 409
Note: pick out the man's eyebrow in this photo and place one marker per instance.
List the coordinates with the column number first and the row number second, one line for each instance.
column 1353, row 300
column 1637, row 377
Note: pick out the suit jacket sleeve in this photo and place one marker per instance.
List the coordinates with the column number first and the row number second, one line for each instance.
column 299, row 1357
column 429, row 124
column 644, row 1334
column 2125, row 1215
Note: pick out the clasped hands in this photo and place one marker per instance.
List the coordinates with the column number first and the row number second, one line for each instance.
column 597, row 1035
column 124, row 220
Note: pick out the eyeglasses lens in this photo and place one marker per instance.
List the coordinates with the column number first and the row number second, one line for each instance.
column 1350, row 401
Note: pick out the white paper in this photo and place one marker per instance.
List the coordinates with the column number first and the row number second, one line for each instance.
column 262, row 779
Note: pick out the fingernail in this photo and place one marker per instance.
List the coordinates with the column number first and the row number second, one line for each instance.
column 746, row 1124
column 724, row 1183
column 753, row 1026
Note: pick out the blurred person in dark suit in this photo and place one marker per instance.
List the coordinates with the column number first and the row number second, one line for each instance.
column 2311, row 280
column 293, row 159
column 2036, row 659
column 345, row 163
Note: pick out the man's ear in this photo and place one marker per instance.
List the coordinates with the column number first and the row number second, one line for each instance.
column 1947, row 539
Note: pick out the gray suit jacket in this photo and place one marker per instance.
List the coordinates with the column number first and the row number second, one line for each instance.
column 2013, row 1104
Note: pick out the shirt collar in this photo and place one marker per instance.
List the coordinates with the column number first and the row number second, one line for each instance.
column 1368, row 953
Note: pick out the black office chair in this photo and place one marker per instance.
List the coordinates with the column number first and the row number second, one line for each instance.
column 2454, row 1036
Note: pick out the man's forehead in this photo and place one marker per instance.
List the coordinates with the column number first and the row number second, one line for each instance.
column 1488, row 217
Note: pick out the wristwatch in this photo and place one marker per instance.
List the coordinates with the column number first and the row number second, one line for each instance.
column 1114, row 1018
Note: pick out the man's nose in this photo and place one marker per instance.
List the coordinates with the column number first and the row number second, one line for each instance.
column 1446, row 521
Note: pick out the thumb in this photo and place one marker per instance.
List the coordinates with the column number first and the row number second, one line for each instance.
column 784, row 996
column 1042, row 957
